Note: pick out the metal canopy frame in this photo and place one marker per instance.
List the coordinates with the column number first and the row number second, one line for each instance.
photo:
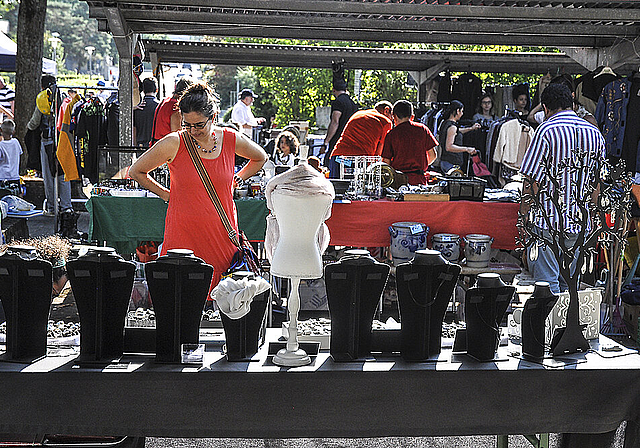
column 273, row 55
column 582, row 23
column 592, row 32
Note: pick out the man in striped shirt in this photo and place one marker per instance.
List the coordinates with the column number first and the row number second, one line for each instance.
column 565, row 141
column 7, row 100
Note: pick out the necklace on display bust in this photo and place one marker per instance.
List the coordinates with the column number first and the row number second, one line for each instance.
column 209, row 151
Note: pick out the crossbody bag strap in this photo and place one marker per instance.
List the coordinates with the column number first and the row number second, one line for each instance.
column 208, row 185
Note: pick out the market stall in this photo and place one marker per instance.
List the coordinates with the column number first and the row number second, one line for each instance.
column 381, row 397
column 117, row 220
column 123, row 222
column 366, row 223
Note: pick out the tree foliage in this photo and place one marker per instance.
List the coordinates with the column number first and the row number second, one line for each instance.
column 70, row 19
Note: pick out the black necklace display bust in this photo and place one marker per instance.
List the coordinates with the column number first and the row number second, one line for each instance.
column 101, row 281
column 536, row 309
column 25, row 292
column 485, row 305
column 425, row 286
column 178, row 285
column 354, row 286
column 244, row 335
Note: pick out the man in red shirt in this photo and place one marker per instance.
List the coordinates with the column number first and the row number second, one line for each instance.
column 409, row 147
column 364, row 133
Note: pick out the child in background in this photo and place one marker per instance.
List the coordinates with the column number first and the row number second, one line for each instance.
column 10, row 151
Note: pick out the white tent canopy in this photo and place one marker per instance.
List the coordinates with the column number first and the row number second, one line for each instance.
column 8, row 49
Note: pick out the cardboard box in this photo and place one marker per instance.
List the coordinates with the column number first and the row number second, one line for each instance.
column 590, row 300
column 630, row 315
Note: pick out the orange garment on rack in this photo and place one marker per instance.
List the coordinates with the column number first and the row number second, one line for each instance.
column 192, row 221
column 65, row 153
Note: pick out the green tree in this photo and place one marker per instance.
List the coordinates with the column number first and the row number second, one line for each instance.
column 377, row 85
column 70, row 18
column 296, row 91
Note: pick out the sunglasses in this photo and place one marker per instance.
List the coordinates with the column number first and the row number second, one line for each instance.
column 200, row 125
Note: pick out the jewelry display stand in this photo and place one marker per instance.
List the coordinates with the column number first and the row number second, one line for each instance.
column 242, row 336
column 178, row 285
column 296, row 256
column 485, row 305
column 532, row 330
column 101, row 281
column 25, row 292
column 425, row 286
column 354, row 287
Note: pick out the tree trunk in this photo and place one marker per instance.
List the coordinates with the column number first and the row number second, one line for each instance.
column 30, row 34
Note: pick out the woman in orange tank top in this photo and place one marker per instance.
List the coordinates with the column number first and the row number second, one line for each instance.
column 192, row 222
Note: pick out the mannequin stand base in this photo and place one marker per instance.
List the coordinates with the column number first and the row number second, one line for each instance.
column 288, row 358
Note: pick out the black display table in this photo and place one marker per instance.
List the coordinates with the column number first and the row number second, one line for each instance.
column 385, row 397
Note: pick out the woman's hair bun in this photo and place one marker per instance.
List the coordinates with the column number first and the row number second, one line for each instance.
column 198, row 87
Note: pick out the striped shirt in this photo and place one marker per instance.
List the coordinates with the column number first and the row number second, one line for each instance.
column 566, row 141
column 7, row 96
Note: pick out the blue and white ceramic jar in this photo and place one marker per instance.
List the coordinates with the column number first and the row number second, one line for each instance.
column 448, row 244
column 477, row 250
column 406, row 238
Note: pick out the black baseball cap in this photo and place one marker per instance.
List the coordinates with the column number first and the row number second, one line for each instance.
column 247, row 92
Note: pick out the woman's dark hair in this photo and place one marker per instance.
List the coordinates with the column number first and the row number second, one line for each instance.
column 290, row 139
column 201, row 98
column 453, row 107
column 482, row 97
column 566, row 80
column 182, row 85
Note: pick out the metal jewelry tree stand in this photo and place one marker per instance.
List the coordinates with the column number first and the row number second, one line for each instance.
column 588, row 178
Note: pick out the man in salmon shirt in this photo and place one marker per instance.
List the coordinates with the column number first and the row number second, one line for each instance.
column 364, row 134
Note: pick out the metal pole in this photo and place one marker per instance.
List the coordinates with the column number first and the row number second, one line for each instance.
column 54, row 104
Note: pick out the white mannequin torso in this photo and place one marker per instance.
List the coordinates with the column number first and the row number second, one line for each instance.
column 299, row 219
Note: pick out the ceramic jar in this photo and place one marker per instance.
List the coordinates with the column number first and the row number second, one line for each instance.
column 448, row 244
column 477, row 250
column 406, row 239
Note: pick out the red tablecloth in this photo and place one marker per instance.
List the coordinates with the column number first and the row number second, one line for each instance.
column 365, row 223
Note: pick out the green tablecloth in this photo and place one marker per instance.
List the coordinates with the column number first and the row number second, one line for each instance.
column 124, row 222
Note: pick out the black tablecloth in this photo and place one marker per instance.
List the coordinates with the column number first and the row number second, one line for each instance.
column 383, row 397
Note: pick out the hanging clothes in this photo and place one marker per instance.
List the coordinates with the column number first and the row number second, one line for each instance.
column 89, row 130
column 611, row 115
column 513, row 141
column 630, row 147
column 594, row 82
column 444, row 87
column 65, row 152
column 112, row 112
column 467, row 88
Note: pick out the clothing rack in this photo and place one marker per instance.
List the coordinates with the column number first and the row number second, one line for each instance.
column 125, row 149
column 85, row 88
column 440, row 104
column 512, row 113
